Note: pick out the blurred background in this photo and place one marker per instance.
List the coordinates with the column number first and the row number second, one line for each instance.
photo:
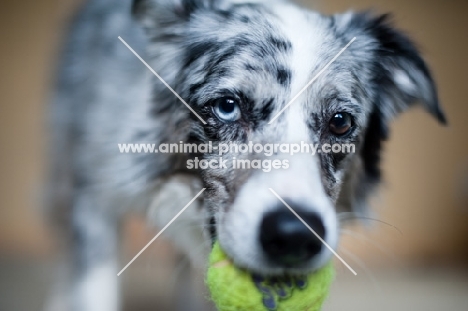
column 414, row 258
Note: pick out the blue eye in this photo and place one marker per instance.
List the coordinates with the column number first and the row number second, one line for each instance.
column 227, row 109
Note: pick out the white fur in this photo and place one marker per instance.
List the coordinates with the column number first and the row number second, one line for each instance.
column 97, row 290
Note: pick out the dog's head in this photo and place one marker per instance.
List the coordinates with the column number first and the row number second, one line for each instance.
column 237, row 65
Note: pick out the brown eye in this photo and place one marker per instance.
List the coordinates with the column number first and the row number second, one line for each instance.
column 341, row 123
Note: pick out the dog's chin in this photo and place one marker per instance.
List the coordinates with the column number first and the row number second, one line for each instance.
column 270, row 269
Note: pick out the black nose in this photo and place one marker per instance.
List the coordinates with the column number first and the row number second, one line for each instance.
column 286, row 240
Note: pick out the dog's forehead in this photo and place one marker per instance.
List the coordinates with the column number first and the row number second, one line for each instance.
column 269, row 53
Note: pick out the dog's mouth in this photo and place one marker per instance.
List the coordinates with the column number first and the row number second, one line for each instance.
column 268, row 271
column 274, row 272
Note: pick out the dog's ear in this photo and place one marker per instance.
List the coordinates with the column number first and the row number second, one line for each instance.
column 400, row 75
column 399, row 78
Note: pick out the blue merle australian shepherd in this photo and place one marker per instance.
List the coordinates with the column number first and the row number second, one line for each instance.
column 236, row 63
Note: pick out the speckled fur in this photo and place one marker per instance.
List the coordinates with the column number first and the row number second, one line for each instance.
column 261, row 53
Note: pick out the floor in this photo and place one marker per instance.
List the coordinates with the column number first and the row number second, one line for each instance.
column 24, row 286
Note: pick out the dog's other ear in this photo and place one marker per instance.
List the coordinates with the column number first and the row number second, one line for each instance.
column 401, row 76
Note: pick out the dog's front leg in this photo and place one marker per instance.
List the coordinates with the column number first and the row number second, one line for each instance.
column 95, row 285
column 186, row 233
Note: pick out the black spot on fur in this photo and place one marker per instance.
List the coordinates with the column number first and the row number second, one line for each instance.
column 213, row 66
column 225, row 14
column 262, row 112
column 280, row 44
column 198, row 49
column 195, row 87
column 283, row 76
column 137, row 6
column 212, row 228
column 253, row 7
column 327, row 170
column 267, row 109
column 244, row 19
column 187, row 7
column 251, row 67
column 376, row 133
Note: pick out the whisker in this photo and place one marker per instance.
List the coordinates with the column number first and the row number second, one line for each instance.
column 343, row 216
column 365, row 238
column 360, row 263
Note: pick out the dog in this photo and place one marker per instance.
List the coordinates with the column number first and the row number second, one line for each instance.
column 237, row 63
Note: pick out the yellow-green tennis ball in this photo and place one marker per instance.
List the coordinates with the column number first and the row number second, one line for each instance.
column 234, row 289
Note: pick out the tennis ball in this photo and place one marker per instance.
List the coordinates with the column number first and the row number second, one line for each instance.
column 234, row 289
